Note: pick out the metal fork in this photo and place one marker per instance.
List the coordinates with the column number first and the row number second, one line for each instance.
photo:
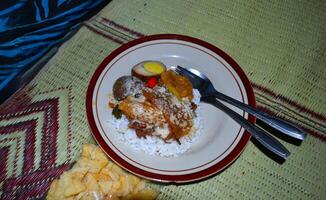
column 206, row 89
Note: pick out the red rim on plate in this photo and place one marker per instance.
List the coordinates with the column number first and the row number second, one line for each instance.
column 163, row 177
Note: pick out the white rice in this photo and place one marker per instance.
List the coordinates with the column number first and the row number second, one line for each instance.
column 154, row 145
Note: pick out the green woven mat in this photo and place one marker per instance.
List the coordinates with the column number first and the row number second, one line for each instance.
column 281, row 46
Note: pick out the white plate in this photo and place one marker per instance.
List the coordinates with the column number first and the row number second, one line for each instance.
column 222, row 139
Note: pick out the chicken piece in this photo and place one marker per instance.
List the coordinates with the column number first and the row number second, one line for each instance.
column 178, row 114
column 142, row 115
column 141, row 128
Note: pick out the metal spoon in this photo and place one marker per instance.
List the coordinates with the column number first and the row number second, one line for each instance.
column 206, row 88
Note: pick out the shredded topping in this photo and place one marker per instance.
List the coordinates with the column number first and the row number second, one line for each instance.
column 165, row 111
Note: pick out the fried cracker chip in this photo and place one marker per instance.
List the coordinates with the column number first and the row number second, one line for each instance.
column 95, row 177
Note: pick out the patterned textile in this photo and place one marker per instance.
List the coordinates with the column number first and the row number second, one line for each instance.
column 31, row 31
column 280, row 46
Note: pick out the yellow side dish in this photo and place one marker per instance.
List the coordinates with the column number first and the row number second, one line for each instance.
column 178, row 85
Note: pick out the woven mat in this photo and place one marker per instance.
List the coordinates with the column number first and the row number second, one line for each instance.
column 280, row 46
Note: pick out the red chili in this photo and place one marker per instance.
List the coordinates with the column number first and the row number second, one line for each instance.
column 152, row 82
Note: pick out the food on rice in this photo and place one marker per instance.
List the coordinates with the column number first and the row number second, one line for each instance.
column 127, row 86
column 178, row 85
column 178, row 114
column 166, row 110
column 143, row 116
column 148, row 69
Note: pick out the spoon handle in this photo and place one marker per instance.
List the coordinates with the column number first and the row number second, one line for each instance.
column 260, row 135
column 279, row 124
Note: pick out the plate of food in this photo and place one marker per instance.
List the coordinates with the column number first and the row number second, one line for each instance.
column 149, row 119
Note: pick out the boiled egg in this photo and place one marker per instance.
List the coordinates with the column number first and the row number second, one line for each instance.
column 148, row 69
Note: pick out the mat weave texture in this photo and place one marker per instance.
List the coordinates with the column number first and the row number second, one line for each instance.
column 280, row 45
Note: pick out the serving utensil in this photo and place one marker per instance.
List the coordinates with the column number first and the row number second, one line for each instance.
column 209, row 93
column 206, row 88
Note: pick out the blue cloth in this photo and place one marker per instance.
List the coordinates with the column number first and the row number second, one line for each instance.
column 29, row 29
